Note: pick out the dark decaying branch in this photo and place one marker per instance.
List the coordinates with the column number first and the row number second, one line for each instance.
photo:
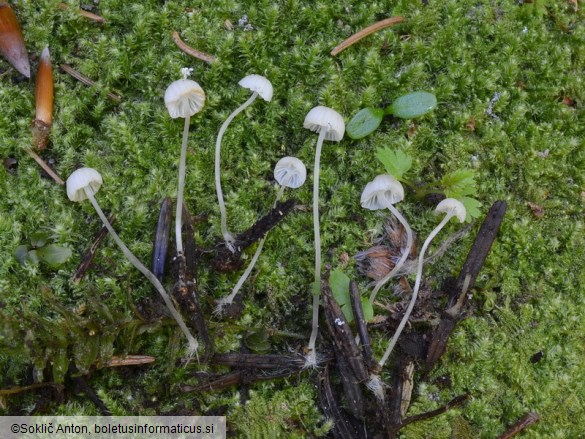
column 226, row 261
column 90, row 252
column 341, row 333
column 362, row 328
column 259, row 361
column 471, row 268
column 343, row 428
column 455, row 402
column 521, row 425
column 185, row 291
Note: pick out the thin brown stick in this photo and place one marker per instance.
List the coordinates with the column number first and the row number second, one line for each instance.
column 455, row 402
column 130, row 360
column 190, row 51
column 521, row 425
column 45, row 166
column 14, row 390
column 365, row 32
column 85, row 80
column 86, row 14
column 90, row 252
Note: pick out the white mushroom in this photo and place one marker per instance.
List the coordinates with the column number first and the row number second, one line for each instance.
column 83, row 184
column 330, row 126
column 382, row 193
column 260, row 86
column 183, row 98
column 451, row 207
column 288, row 172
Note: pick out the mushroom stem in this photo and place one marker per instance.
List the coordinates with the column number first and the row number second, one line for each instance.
column 227, row 236
column 311, row 359
column 193, row 344
column 417, row 283
column 229, row 299
column 402, row 259
column 182, row 166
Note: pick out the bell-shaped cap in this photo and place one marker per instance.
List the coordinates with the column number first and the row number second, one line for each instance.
column 184, row 98
column 291, row 172
column 259, row 84
column 81, row 179
column 453, row 207
column 324, row 118
column 381, row 191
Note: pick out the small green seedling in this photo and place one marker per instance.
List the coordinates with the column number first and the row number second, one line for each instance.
column 40, row 251
column 409, row 106
column 459, row 184
column 339, row 283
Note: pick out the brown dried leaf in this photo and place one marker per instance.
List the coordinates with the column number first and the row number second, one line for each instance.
column 537, row 211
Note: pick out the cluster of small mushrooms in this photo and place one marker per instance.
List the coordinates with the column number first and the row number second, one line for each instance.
column 185, row 98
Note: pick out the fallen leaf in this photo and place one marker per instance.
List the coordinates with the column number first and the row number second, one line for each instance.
column 411, row 132
column 537, row 211
column 568, row 101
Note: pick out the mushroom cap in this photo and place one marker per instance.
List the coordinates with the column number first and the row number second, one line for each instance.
column 184, row 98
column 325, row 118
column 81, row 179
column 381, row 191
column 259, row 84
column 290, row 168
column 453, row 207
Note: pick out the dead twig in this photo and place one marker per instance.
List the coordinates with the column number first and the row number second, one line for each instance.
column 362, row 328
column 45, row 166
column 90, row 252
column 365, row 32
column 190, row 51
column 130, row 360
column 235, row 359
column 471, row 268
column 85, row 80
column 86, row 14
column 522, row 424
column 455, row 402
column 226, row 261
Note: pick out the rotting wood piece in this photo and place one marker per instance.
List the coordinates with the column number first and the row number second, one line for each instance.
column 185, row 290
column 341, row 333
column 269, row 361
column 225, row 261
column 343, row 428
column 471, row 268
column 401, row 390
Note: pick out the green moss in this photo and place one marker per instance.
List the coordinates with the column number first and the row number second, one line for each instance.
column 528, row 297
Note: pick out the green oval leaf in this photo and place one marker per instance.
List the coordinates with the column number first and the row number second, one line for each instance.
column 38, row 239
column 21, row 254
column 364, row 122
column 412, row 105
column 53, row 254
